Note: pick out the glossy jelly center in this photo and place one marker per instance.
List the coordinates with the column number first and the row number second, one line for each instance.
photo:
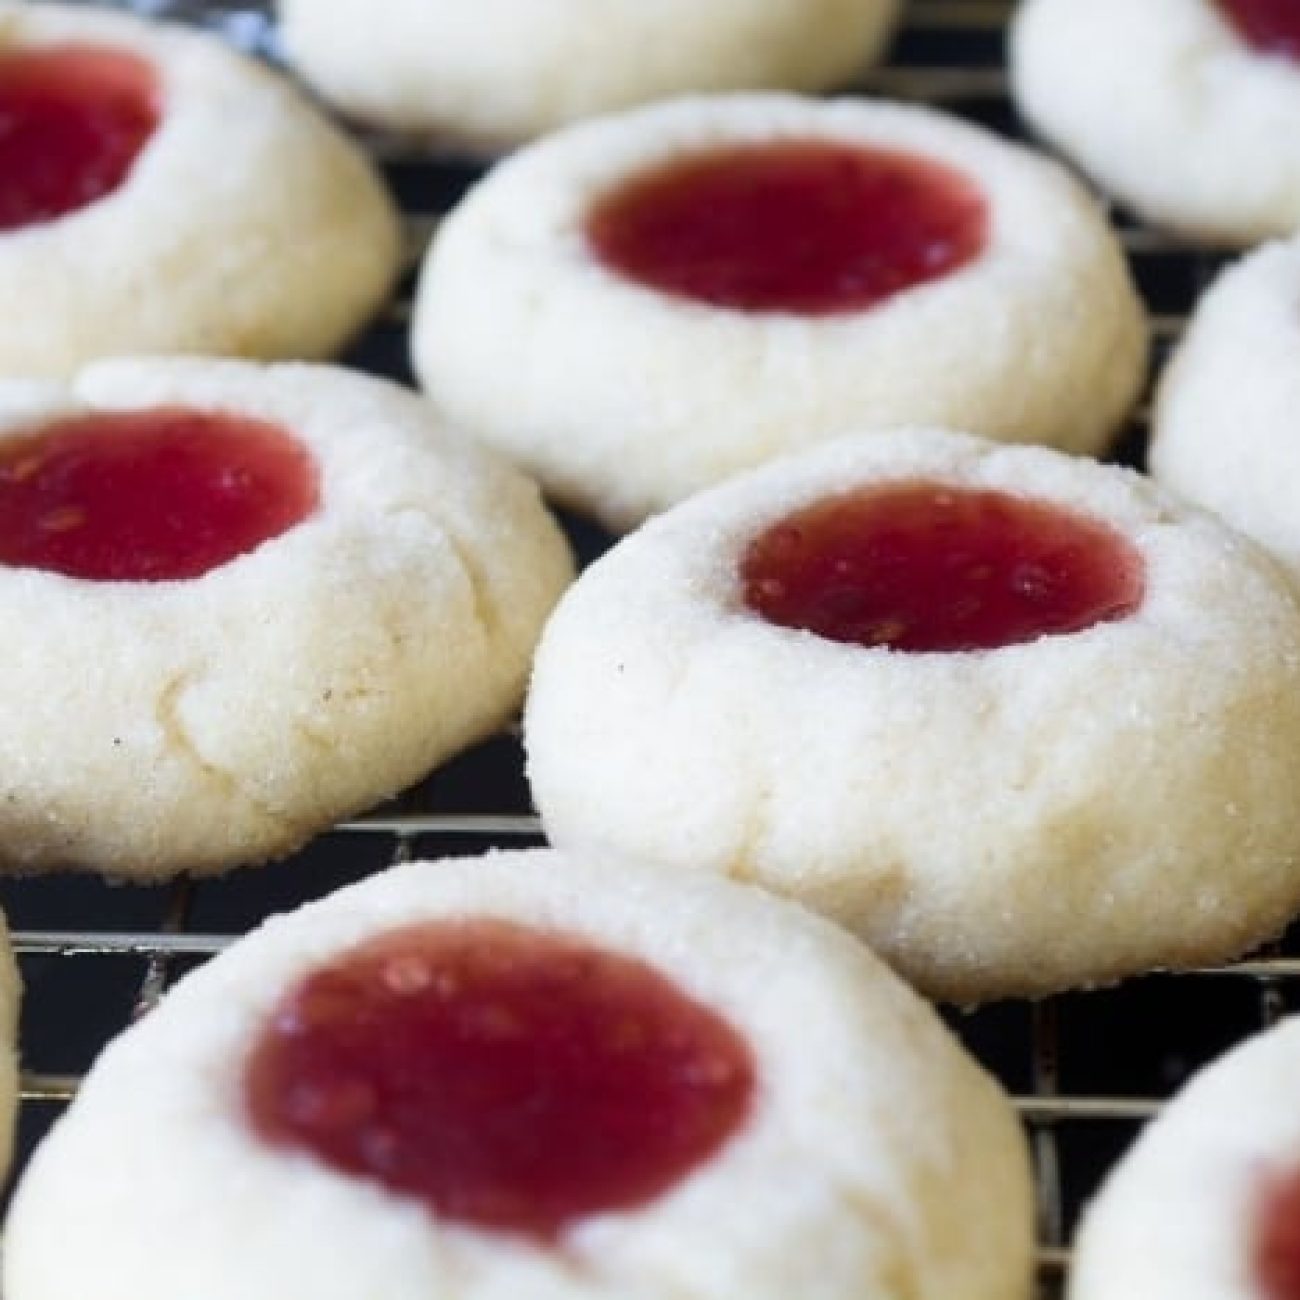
column 509, row 1078
column 805, row 226
column 73, row 119
column 1270, row 26
column 925, row 566
column 149, row 495
column 1276, row 1246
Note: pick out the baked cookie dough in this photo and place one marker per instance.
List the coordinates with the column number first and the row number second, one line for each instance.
column 1204, row 1207
column 279, row 1130
column 1020, row 720
column 802, row 268
column 161, row 193
column 1183, row 109
column 10, row 986
column 241, row 602
column 1223, row 433
column 496, row 73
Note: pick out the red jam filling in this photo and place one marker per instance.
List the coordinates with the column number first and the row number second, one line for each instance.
column 1270, row 26
column 73, row 119
column 808, row 226
column 510, row 1079
column 149, row 495
column 1276, row 1246
column 925, row 566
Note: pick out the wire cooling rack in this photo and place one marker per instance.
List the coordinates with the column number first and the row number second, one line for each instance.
column 1086, row 1069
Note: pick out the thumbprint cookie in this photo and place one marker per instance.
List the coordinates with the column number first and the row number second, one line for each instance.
column 532, row 1075
column 639, row 307
column 160, row 193
column 1223, row 433
column 241, row 602
column 1020, row 720
column 1206, row 1205
column 1182, row 109
column 495, row 73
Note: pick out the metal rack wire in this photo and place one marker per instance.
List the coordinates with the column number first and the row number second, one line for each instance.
column 1086, row 1069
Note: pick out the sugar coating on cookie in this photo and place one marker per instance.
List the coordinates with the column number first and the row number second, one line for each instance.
column 1203, row 1207
column 452, row 71
column 1180, row 108
column 162, row 193
column 808, row 1125
column 245, row 601
column 1020, row 720
column 685, row 291
column 10, row 986
column 1224, row 424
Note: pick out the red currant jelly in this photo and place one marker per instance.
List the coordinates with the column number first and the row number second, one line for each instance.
column 1270, row 26
column 807, row 226
column 924, row 566
column 511, row 1079
column 149, row 495
column 73, row 119
column 1276, row 1247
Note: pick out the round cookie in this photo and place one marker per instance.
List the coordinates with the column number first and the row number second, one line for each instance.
column 1203, row 1207
column 1223, row 432
column 438, row 67
column 162, row 193
column 1181, row 108
column 10, row 987
column 859, row 1151
column 242, row 602
column 955, row 278
column 1037, row 725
